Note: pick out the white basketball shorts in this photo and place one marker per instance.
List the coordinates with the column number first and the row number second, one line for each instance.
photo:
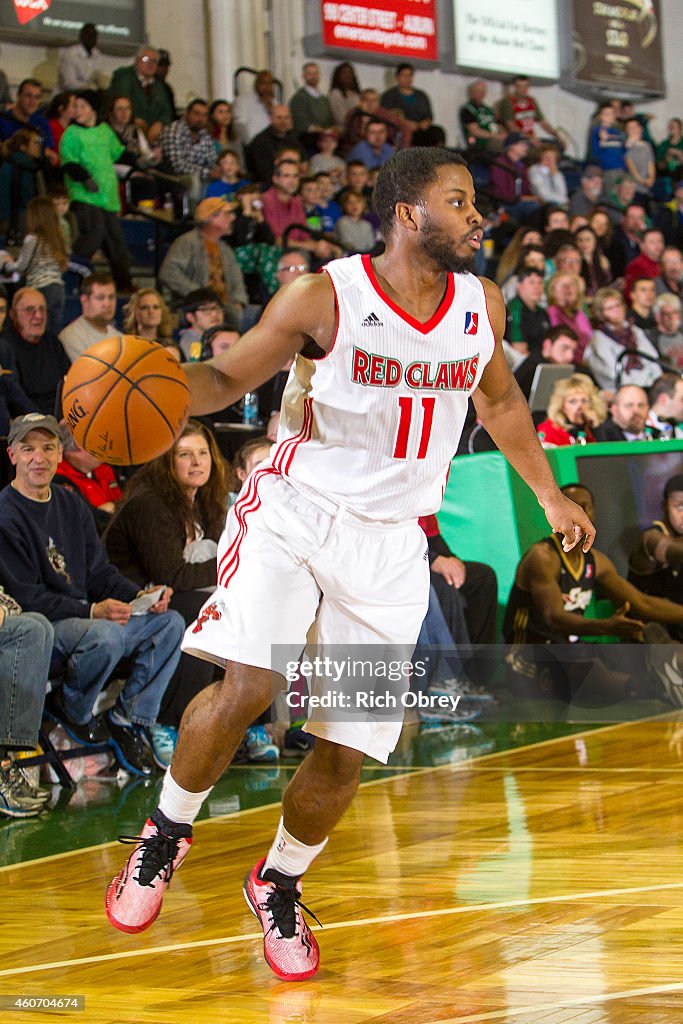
column 287, row 562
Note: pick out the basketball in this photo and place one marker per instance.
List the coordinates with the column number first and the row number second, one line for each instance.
column 125, row 400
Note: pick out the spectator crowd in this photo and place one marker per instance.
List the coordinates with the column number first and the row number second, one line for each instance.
column 101, row 574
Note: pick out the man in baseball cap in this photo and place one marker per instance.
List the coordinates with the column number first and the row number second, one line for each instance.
column 23, row 425
column 510, row 185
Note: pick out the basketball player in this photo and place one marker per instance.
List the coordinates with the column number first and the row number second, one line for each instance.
column 387, row 351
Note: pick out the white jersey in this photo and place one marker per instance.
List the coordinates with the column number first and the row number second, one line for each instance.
column 374, row 424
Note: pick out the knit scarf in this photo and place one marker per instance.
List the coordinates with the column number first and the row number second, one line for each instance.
column 625, row 337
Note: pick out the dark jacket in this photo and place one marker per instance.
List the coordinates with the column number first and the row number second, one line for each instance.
column 51, row 559
column 260, row 152
column 39, row 367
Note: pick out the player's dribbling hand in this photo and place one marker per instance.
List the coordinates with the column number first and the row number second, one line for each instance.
column 569, row 519
column 115, row 611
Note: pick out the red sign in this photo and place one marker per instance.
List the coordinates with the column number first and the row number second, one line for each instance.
column 27, row 10
column 396, row 28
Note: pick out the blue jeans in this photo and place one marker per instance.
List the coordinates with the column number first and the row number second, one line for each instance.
column 25, row 650
column 436, row 641
column 54, row 300
column 92, row 648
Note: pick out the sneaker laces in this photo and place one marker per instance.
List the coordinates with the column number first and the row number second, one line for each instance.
column 158, row 855
column 281, row 903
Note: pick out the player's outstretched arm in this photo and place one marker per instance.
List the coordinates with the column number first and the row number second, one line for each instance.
column 301, row 312
column 503, row 410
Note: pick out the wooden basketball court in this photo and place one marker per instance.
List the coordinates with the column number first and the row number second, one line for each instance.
column 541, row 885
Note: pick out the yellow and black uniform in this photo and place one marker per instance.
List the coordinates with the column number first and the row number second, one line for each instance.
column 524, row 623
column 654, row 577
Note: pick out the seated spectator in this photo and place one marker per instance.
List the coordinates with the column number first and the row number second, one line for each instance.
column 555, row 219
column 252, row 109
column 325, row 161
column 82, row 65
column 168, row 528
column 670, row 278
column 626, row 240
column 95, row 481
column 138, row 81
column 547, row 606
column 202, row 258
column 310, row 194
column 529, row 256
column 369, row 108
column 28, row 349
column 20, row 178
column 558, row 348
column 670, row 218
column 595, row 268
column 639, row 158
column 353, row 231
column 60, row 112
column 138, row 153
column 148, row 316
column 527, row 320
column 215, row 341
column 53, row 562
column 13, row 399
column 98, row 302
column 669, row 152
column 230, row 177
column 669, row 338
column 607, row 148
column 480, row 127
column 510, row 185
column 330, row 210
column 415, row 107
column 665, row 398
column 67, row 222
column 24, row 113
column 311, row 110
column 88, row 151
column 648, row 263
column 575, row 410
column 357, row 180
column 520, row 112
column 264, row 149
column 250, row 223
column 655, row 562
column 202, row 309
column 187, row 146
column 613, row 337
column 373, row 150
column 620, row 197
column 223, row 130
column 547, row 180
column 565, row 256
column 523, row 236
column 565, row 307
column 25, row 654
column 282, row 206
column 640, row 311
column 602, row 226
column 628, row 414
column 587, row 195
column 43, row 258
column 344, row 93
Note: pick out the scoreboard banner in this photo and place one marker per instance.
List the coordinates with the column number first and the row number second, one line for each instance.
column 617, row 44
column 393, row 28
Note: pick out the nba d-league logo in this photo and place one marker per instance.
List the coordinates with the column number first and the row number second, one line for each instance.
column 27, row 10
column 471, row 323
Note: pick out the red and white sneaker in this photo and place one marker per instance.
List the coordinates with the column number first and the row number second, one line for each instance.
column 134, row 896
column 289, row 945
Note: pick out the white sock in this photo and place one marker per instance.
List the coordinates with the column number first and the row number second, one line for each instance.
column 179, row 804
column 289, row 856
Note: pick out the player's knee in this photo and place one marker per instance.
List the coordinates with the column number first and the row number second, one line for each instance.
column 341, row 763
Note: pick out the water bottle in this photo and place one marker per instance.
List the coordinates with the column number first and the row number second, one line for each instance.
column 168, row 204
column 581, row 437
column 250, row 409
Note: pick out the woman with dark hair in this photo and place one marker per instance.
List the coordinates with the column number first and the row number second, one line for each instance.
column 168, row 528
column 595, row 267
column 344, row 93
column 223, row 131
column 60, row 114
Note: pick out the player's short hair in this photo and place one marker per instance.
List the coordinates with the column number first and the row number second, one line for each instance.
column 404, row 178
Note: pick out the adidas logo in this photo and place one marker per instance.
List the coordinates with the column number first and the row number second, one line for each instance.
column 372, row 320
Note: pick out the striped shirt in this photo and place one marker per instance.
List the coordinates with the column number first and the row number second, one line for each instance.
column 36, row 262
